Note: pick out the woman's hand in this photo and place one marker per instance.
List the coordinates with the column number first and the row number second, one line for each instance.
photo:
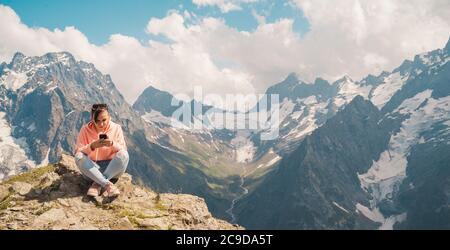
column 107, row 143
column 101, row 143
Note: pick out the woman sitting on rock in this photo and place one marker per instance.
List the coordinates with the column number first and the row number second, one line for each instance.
column 101, row 153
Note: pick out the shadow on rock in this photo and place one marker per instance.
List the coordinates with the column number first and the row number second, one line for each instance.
column 63, row 183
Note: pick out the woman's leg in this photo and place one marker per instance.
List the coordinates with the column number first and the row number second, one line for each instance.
column 118, row 165
column 90, row 169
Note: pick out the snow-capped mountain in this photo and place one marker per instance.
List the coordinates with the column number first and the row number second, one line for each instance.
column 350, row 154
column 418, row 115
column 155, row 106
column 403, row 97
column 46, row 99
column 315, row 186
column 399, row 177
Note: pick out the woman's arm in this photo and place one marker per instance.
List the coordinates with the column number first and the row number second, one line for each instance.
column 119, row 141
column 83, row 144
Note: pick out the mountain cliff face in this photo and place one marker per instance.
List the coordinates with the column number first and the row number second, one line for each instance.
column 317, row 185
column 425, row 114
column 53, row 197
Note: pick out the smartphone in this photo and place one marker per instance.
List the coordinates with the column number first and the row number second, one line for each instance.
column 103, row 136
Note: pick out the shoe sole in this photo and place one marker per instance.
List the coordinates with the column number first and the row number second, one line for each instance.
column 91, row 195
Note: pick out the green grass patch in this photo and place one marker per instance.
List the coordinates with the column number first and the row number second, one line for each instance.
column 32, row 175
column 6, row 202
column 42, row 210
column 107, row 206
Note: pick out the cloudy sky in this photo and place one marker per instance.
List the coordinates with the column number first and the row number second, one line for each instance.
column 225, row 46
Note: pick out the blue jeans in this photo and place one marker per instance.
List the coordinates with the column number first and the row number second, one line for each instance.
column 102, row 171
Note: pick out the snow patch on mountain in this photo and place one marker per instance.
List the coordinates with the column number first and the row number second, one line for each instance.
column 156, row 117
column 383, row 92
column 349, row 89
column 340, row 207
column 372, row 214
column 286, row 108
column 13, row 157
column 274, row 158
column 273, row 161
column 63, row 58
column 46, row 159
column 32, row 127
column 376, row 216
column 388, row 223
column 384, row 177
column 244, row 148
column 391, row 167
column 306, row 117
column 13, row 80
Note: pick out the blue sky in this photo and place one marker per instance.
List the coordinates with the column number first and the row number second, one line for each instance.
column 98, row 19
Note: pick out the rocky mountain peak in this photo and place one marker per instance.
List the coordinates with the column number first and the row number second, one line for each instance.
column 53, row 197
column 361, row 105
column 293, row 88
column 371, row 80
column 60, row 56
column 17, row 58
column 343, row 80
column 321, row 81
column 22, row 63
column 154, row 99
column 292, row 77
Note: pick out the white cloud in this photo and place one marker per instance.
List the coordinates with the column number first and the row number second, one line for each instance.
column 363, row 36
column 176, row 67
column 349, row 37
column 224, row 5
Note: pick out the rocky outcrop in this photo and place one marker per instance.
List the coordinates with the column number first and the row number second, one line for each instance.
column 53, row 197
column 44, row 102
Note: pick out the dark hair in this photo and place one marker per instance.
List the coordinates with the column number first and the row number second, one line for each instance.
column 97, row 109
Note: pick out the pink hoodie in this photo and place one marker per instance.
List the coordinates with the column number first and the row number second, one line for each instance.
column 88, row 134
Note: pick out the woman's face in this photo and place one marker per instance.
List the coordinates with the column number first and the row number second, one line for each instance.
column 102, row 120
